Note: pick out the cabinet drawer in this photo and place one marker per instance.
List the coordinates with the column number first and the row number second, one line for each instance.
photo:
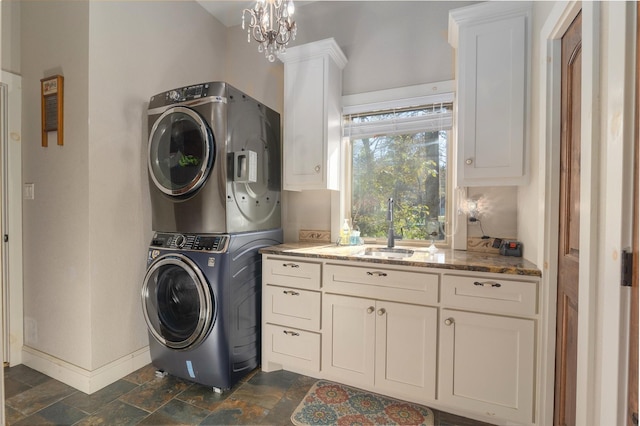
column 381, row 283
column 292, row 307
column 495, row 295
column 293, row 348
column 291, row 272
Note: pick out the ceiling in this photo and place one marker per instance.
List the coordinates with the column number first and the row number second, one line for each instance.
column 230, row 12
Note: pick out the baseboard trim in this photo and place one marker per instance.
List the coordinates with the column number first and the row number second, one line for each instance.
column 80, row 378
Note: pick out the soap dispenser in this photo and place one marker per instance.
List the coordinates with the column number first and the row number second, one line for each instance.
column 345, row 233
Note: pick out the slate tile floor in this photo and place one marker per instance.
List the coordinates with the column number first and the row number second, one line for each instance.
column 141, row 398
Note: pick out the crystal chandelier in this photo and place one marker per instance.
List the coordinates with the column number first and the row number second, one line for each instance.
column 271, row 26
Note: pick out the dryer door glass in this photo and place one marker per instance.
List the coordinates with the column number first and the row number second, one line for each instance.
column 177, row 302
column 181, row 150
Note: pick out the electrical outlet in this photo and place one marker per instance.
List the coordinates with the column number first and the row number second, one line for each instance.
column 28, row 191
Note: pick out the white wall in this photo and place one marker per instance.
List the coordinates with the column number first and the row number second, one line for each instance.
column 530, row 209
column 10, row 36
column 388, row 44
column 249, row 71
column 57, row 279
column 147, row 52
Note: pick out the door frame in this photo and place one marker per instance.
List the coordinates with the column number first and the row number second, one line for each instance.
column 15, row 337
column 603, row 208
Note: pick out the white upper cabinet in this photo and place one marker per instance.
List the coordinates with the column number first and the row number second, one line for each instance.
column 492, row 42
column 312, row 115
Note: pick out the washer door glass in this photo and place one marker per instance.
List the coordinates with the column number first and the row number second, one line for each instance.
column 181, row 150
column 177, row 302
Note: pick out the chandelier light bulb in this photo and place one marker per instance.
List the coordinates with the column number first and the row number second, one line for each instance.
column 291, row 8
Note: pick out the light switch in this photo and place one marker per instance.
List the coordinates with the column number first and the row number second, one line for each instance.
column 28, row 191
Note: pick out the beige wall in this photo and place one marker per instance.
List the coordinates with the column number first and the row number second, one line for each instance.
column 388, row 44
column 147, row 52
column 10, row 36
column 57, row 277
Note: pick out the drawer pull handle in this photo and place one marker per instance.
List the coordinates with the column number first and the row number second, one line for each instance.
column 290, row 333
column 488, row 284
column 291, row 293
column 290, row 265
column 370, row 309
column 448, row 321
column 377, row 274
column 382, row 311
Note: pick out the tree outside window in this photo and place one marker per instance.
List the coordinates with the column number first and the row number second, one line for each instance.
column 408, row 166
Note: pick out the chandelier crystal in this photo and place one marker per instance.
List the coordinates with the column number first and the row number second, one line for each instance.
column 271, row 26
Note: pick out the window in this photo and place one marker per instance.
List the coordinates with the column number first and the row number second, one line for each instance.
column 400, row 152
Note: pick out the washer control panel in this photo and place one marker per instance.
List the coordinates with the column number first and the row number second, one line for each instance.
column 187, row 93
column 191, row 242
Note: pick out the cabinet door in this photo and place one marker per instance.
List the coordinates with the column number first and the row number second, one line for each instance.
column 406, row 341
column 487, row 364
column 492, row 96
column 304, row 124
column 348, row 342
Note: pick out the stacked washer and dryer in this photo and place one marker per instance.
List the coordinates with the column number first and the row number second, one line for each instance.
column 214, row 178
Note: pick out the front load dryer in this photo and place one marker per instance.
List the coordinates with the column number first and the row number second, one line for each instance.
column 201, row 302
column 213, row 161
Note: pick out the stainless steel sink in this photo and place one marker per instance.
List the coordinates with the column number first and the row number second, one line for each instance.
column 387, row 253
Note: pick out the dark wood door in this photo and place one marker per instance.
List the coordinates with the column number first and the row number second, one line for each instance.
column 569, row 231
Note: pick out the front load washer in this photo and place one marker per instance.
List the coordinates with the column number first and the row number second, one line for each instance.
column 201, row 302
column 213, row 161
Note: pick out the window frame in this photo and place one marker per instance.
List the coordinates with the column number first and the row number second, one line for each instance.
column 389, row 99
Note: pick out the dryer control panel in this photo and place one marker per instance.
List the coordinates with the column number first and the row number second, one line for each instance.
column 191, row 242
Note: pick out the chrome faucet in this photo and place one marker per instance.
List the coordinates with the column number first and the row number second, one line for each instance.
column 391, row 233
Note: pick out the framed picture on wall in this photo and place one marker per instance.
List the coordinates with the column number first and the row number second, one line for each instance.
column 52, row 89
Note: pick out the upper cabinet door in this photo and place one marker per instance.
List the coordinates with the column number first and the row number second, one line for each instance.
column 312, row 115
column 492, row 57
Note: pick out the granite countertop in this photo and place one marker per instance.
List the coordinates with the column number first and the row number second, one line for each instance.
column 443, row 259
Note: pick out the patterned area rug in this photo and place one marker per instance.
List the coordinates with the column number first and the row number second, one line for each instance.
column 329, row 403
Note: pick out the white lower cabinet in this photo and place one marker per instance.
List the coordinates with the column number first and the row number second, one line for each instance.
column 291, row 301
column 464, row 342
column 381, row 345
column 487, row 364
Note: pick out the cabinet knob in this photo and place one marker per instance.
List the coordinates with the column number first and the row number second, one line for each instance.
column 468, row 161
column 448, row 321
column 382, row 311
column 317, row 168
column 370, row 309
